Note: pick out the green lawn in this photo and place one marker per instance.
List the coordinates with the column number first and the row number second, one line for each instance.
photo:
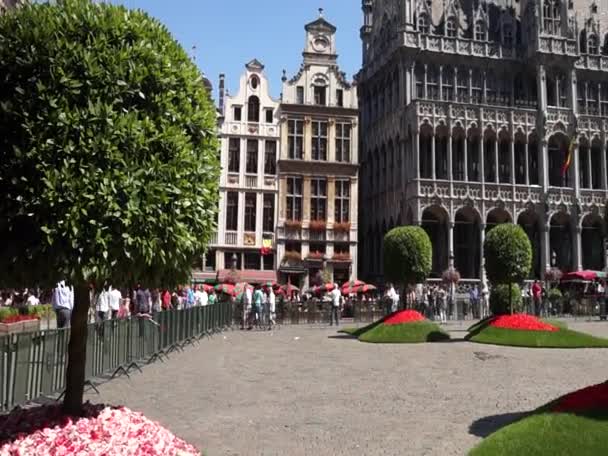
column 549, row 434
column 564, row 338
column 414, row 332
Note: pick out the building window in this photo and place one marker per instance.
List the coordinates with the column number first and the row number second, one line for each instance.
column 320, row 93
column 423, row 24
column 592, row 98
column 477, row 87
column 319, row 140
column 419, row 75
column 268, row 216
column 234, row 155
column 253, row 109
column 507, row 35
column 447, row 83
column 340, row 97
column 300, row 95
column 480, row 31
column 237, row 113
column 343, row 132
column 269, row 115
column 462, row 85
column 254, row 82
column 209, row 261
column 252, row 156
column 432, row 83
column 450, row 28
column 604, row 99
column 592, row 45
column 342, row 201
column 232, row 211
column 318, row 199
column 295, row 132
column 228, row 260
column 252, row 261
column 552, row 17
column 562, row 89
column 270, row 158
column 268, row 262
column 294, row 198
column 250, row 209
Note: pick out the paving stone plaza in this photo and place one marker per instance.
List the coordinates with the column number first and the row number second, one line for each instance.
column 307, row 391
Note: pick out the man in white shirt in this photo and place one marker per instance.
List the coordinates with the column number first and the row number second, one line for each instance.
column 102, row 303
column 204, row 298
column 247, row 298
column 198, row 297
column 335, row 305
column 393, row 298
column 32, row 300
column 63, row 303
column 115, row 299
column 272, row 308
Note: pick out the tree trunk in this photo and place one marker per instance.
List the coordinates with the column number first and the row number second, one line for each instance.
column 77, row 352
column 511, row 297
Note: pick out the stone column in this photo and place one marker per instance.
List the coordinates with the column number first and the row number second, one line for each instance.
column 496, row 161
column 331, row 199
column 307, row 139
column 527, row 162
column 433, row 147
column 604, row 150
column 578, row 246
column 416, row 155
column 513, row 160
column 575, row 172
column 544, row 163
column 331, row 140
column 545, row 248
column 450, row 174
column 306, row 199
column 590, row 165
column 466, row 157
column 482, row 238
column 450, row 244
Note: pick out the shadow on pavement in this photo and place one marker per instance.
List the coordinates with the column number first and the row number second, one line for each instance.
column 342, row 336
column 490, row 424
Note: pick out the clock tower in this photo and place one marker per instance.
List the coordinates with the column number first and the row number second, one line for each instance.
column 320, row 43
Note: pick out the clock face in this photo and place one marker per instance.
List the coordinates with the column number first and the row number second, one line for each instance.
column 320, row 43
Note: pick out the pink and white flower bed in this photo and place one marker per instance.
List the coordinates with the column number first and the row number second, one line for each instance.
column 103, row 430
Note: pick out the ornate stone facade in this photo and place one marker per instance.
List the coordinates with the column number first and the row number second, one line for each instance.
column 318, row 171
column 468, row 113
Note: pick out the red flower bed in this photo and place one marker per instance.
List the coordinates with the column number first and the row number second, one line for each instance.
column 522, row 322
column 108, row 431
column 404, row 316
column 18, row 318
column 591, row 398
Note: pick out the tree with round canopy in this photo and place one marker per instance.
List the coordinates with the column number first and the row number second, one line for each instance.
column 408, row 255
column 108, row 156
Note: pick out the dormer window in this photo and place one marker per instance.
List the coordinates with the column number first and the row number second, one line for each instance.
column 480, row 31
column 423, row 24
column 320, row 92
column 592, row 45
column 450, row 28
column 507, row 35
column 255, row 82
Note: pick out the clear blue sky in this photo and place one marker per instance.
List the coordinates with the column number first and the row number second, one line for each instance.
column 229, row 33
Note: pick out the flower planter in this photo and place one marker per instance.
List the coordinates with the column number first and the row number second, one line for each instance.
column 19, row 327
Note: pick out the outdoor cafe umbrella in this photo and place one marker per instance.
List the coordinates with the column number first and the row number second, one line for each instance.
column 325, row 288
column 240, row 288
column 288, row 289
column 584, row 275
column 364, row 288
column 208, row 288
column 352, row 283
column 226, row 288
column 270, row 284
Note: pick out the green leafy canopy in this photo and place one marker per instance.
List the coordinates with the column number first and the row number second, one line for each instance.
column 508, row 254
column 407, row 255
column 108, row 152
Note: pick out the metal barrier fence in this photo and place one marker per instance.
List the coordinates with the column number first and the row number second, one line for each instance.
column 32, row 365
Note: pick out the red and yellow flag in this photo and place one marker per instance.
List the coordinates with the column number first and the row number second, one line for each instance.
column 568, row 161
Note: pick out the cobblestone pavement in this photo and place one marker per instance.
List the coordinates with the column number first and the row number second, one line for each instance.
column 306, row 391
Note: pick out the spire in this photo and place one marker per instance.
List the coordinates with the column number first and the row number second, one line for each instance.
column 320, row 13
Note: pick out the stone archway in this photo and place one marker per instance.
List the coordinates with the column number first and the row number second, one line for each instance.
column 467, row 249
column 435, row 223
column 497, row 216
column 592, row 242
column 560, row 236
column 530, row 223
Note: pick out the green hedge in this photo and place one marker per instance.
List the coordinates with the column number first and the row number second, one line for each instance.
column 508, row 254
column 499, row 299
column 408, row 254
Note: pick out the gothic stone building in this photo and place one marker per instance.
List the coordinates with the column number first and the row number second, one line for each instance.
column 249, row 135
column 468, row 110
column 318, row 171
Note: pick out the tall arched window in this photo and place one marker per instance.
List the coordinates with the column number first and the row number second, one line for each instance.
column 507, row 35
column 552, row 17
column 423, row 24
column 450, row 28
column 253, row 109
column 480, row 31
column 592, row 44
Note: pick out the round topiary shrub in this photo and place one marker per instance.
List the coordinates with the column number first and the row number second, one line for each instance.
column 555, row 296
column 408, row 254
column 508, row 254
column 499, row 299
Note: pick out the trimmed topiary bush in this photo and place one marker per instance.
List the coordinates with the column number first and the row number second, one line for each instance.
column 499, row 299
column 508, row 254
column 408, row 254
